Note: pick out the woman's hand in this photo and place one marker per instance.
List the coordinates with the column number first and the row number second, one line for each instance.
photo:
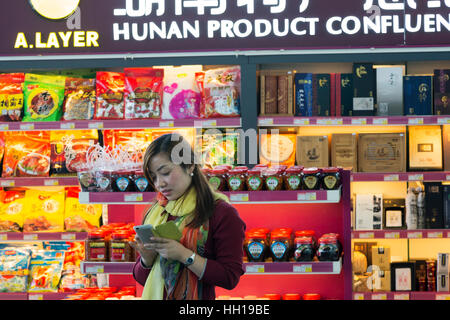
column 147, row 255
column 169, row 249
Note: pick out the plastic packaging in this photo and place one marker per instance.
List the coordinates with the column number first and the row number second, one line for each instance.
column 411, row 209
column 293, row 178
column 255, row 246
column 96, row 246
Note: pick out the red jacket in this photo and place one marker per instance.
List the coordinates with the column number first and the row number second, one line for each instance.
column 223, row 251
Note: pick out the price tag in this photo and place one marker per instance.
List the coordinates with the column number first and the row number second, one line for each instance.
column 415, row 235
column 379, row 296
column 27, row 126
column 8, row 183
column 68, row 236
column 166, row 124
column 366, row 235
column 32, row 236
column 436, row 234
column 330, row 122
column 134, row 197
column 51, row 182
column 381, row 121
column 447, row 177
column 413, row 121
column 308, row 196
column 95, row 125
column 210, row 123
column 443, row 297
column 256, row 268
column 36, row 297
column 301, row 122
column 415, row 177
column 3, row 237
column 443, row 120
column 95, row 269
column 401, row 296
column 239, row 197
column 67, row 125
column 358, row 296
column 392, row 235
column 4, row 127
column 359, row 121
column 302, row 268
column 391, row 177
column 265, row 122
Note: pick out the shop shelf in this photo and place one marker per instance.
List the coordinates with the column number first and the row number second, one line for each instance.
column 410, row 295
column 38, row 181
column 359, row 121
column 13, row 296
column 402, row 234
column 400, row 176
column 305, row 268
column 43, row 236
column 91, row 267
column 121, row 124
column 242, row 197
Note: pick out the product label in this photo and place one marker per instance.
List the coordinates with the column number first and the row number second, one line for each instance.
column 234, row 183
column 278, row 249
column 255, row 249
column 294, row 182
column 272, row 183
column 330, row 181
column 214, row 182
column 103, row 183
column 122, row 183
column 141, row 184
column 310, row 181
column 97, row 251
column 254, row 183
column 117, row 251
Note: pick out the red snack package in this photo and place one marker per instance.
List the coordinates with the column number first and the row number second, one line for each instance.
column 79, row 100
column 143, row 93
column 110, row 89
column 11, row 96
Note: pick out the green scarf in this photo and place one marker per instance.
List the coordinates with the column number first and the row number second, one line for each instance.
column 166, row 273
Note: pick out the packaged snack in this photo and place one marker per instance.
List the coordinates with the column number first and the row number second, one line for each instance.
column 134, row 141
column 14, row 269
column 222, row 92
column 27, row 154
column 13, row 205
column 218, row 149
column 182, row 97
column 143, row 93
column 110, row 89
column 68, row 150
column 45, row 270
column 46, row 213
column 80, row 217
column 79, row 102
column 44, row 96
column 11, row 96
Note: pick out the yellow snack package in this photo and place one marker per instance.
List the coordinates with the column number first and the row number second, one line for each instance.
column 46, row 211
column 80, row 217
column 13, row 205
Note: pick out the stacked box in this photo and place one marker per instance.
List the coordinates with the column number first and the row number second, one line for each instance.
column 381, row 261
column 344, row 152
column 434, row 208
column 303, row 94
column 321, row 94
column 381, row 152
column 364, row 88
column 276, row 93
column 425, row 148
column 418, row 94
column 442, row 272
column 344, row 94
column 368, row 212
column 312, row 151
column 390, row 90
column 441, row 85
column 446, row 204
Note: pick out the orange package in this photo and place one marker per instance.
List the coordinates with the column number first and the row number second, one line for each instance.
column 27, row 154
column 277, row 149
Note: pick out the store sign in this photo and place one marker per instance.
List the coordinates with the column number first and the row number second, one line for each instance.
column 125, row 26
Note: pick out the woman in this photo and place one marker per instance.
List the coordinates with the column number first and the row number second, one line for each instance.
column 210, row 251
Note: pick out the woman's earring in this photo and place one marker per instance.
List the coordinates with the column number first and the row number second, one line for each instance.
column 191, row 174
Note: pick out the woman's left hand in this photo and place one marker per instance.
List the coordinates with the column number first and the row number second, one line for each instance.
column 168, row 248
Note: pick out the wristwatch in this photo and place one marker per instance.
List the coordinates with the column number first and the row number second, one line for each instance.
column 190, row 260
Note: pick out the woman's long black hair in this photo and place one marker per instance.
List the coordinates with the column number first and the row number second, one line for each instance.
column 165, row 144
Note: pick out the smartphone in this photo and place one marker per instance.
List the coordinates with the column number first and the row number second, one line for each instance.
column 144, row 232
